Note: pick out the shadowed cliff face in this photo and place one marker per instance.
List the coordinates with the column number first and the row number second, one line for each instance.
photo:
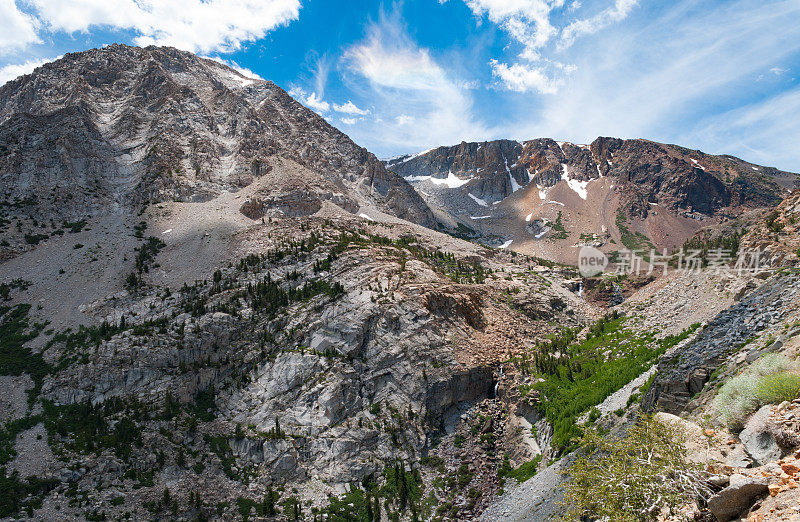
column 122, row 126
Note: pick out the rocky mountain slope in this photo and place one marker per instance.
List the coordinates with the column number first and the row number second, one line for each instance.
column 215, row 306
column 636, row 192
column 120, row 127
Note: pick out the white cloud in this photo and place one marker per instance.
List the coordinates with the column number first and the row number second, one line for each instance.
column 316, row 103
column 351, row 121
column 529, row 23
column 777, row 71
column 244, row 71
column 311, row 100
column 417, row 103
column 193, row 25
column 523, row 78
column 619, row 11
column 13, row 71
column 17, row 29
column 350, row 108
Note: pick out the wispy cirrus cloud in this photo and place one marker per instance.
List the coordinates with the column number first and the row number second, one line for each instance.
column 686, row 74
column 612, row 14
column 763, row 132
column 417, row 101
column 530, row 24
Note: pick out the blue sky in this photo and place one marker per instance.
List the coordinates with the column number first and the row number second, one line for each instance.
column 720, row 76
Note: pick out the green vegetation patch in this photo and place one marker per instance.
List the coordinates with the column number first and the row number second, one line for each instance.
column 15, row 359
column 559, row 232
column 635, row 241
column 769, row 380
column 524, row 472
column 581, row 374
column 16, row 494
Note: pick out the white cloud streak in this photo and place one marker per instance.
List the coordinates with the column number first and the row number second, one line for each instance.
column 618, row 12
column 417, row 103
column 685, row 76
column 194, row 25
column 529, row 23
column 17, row 29
column 13, row 71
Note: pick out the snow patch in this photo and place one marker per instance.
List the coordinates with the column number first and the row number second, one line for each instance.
column 697, row 164
column 366, row 217
column 514, row 185
column 479, row 217
column 556, row 203
column 393, row 161
column 755, row 168
column 477, row 200
column 579, row 187
column 241, row 80
column 167, row 231
column 451, row 181
column 507, row 243
column 414, row 179
column 542, row 193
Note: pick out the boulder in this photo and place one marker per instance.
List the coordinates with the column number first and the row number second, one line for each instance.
column 738, row 497
column 759, row 439
column 738, row 458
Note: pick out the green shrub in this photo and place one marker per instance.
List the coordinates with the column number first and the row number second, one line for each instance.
column 777, row 388
column 771, row 379
column 525, row 471
column 632, row 478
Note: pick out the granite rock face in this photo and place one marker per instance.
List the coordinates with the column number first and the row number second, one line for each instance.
column 119, row 127
column 681, row 377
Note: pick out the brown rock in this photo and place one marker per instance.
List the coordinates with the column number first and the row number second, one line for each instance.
column 790, row 469
column 774, row 489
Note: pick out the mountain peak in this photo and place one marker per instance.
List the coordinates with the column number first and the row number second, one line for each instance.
column 122, row 126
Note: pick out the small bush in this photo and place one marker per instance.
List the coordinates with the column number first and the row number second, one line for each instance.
column 736, row 400
column 772, row 363
column 771, row 379
column 777, row 388
column 633, row 478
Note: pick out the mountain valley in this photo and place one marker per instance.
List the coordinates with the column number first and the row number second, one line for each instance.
column 216, row 306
